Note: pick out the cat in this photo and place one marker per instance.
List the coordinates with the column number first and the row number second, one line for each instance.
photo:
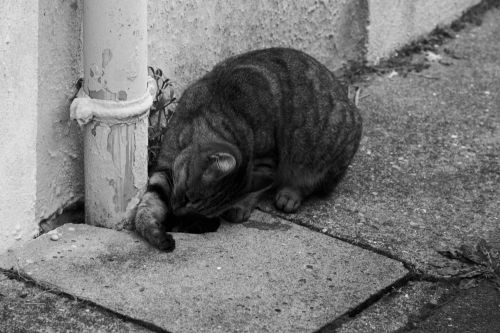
column 272, row 118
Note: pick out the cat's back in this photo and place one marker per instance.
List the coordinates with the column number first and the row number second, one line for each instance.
column 288, row 98
column 289, row 79
column 301, row 94
column 273, row 75
column 285, row 64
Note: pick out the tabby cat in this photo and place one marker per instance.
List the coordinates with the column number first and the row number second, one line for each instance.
column 273, row 118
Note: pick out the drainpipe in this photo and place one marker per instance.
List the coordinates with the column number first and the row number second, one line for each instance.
column 112, row 107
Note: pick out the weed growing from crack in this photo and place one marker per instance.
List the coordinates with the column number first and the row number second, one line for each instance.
column 484, row 259
column 160, row 113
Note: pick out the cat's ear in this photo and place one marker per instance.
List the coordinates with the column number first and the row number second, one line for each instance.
column 220, row 164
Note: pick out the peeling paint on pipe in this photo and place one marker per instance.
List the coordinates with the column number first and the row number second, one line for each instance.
column 115, row 171
column 113, row 107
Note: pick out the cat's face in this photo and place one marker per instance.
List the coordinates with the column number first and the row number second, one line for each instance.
column 207, row 180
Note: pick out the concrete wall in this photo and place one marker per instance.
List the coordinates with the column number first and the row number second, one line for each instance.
column 187, row 37
column 59, row 149
column 18, row 125
column 394, row 23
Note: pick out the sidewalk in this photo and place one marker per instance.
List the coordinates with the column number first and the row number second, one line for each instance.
column 376, row 256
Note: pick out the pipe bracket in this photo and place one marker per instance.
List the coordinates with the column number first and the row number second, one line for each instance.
column 84, row 109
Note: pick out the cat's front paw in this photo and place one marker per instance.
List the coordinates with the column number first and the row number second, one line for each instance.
column 288, row 200
column 149, row 228
column 149, row 223
column 237, row 214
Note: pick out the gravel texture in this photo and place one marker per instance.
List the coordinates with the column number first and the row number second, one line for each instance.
column 25, row 307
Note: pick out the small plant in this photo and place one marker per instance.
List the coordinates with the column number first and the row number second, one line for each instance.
column 484, row 260
column 159, row 114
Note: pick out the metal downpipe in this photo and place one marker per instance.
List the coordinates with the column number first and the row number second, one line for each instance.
column 112, row 107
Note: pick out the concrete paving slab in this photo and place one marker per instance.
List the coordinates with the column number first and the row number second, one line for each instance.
column 427, row 174
column 266, row 275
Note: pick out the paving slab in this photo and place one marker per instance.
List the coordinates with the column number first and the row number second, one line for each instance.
column 265, row 275
column 427, row 175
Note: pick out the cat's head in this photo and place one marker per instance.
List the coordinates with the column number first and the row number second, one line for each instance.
column 209, row 179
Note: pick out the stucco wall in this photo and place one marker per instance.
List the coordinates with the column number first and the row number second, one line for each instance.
column 395, row 23
column 18, row 111
column 59, row 140
column 187, row 37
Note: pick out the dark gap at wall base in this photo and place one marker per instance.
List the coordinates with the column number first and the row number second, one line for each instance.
column 73, row 213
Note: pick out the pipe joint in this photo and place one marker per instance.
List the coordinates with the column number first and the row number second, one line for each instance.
column 84, row 109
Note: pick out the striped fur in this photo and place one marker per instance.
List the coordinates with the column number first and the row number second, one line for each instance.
column 273, row 117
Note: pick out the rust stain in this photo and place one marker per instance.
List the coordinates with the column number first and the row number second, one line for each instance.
column 107, row 55
column 97, row 83
column 122, row 95
column 112, row 183
column 93, row 130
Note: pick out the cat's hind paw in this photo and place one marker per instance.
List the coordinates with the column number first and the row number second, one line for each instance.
column 288, row 200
